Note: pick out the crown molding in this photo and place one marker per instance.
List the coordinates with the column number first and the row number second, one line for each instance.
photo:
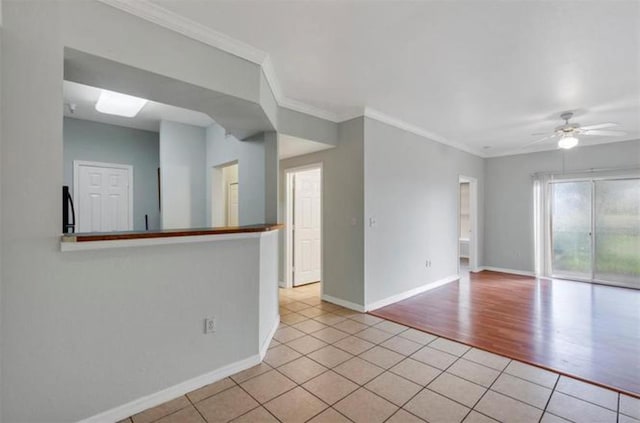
column 405, row 126
column 165, row 18
column 269, row 73
column 299, row 106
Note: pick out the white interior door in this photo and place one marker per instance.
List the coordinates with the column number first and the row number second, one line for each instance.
column 306, row 227
column 232, row 204
column 103, row 194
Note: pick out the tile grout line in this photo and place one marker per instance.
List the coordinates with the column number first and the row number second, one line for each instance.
column 525, row 380
column 432, row 380
column 489, row 389
column 549, row 400
column 583, row 399
column 260, row 404
column 481, row 396
column 196, row 408
column 327, row 369
column 306, row 390
column 422, row 388
column 166, row 415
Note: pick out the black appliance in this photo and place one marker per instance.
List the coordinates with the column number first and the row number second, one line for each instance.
column 67, row 204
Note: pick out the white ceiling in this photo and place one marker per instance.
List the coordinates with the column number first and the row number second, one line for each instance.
column 85, row 98
column 480, row 73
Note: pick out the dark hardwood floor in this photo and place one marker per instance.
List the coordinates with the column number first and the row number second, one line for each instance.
column 591, row 332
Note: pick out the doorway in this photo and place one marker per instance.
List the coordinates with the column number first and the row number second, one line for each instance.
column 104, row 196
column 303, row 244
column 225, row 195
column 594, row 230
column 467, row 224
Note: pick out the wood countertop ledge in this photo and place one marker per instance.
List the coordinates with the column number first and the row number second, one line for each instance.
column 169, row 233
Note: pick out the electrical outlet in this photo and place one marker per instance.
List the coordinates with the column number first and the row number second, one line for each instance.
column 428, row 263
column 209, row 325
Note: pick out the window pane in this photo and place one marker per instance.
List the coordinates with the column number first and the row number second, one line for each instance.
column 571, row 229
column 617, row 228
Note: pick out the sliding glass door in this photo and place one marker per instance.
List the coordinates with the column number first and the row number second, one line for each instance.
column 617, row 231
column 571, row 235
column 595, row 230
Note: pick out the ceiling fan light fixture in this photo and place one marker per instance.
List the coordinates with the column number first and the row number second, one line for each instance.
column 113, row 103
column 568, row 142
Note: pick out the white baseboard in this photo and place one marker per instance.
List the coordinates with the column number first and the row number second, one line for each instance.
column 411, row 292
column 141, row 404
column 265, row 345
column 504, row 270
column 343, row 303
column 282, row 284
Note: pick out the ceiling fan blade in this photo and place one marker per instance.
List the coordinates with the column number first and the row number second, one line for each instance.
column 604, row 133
column 548, row 137
column 598, row 126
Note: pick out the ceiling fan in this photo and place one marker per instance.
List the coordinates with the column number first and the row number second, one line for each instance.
column 569, row 132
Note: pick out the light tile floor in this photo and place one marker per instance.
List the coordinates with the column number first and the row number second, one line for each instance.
column 330, row 364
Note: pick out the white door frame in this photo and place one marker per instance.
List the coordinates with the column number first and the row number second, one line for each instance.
column 218, row 194
column 76, row 174
column 473, row 222
column 288, row 216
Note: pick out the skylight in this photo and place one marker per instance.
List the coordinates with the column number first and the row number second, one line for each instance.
column 118, row 104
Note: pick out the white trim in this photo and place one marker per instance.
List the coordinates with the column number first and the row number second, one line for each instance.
column 410, row 293
column 189, row 28
column 288, row 213
column 68, row 245
column 405, row 126
column 141, row 404
column 282, row 284
column 148, row 401
column 269, row 73
column 505, row 270
column 76, row 193
column 298, row 106
column 288, row 236
column 343, row 303
column 265, row 345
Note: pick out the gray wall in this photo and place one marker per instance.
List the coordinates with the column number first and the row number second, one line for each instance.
column 99, row 142
column 268, row 100
column 268, row 297
column 84, row 332
column 308, row 127
column 411, row 190
column 272, row 174
column 509, row 196
column 1, row 314
column 182, row 172
column 256, row 158
column 342, row 212
column 196, row 63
